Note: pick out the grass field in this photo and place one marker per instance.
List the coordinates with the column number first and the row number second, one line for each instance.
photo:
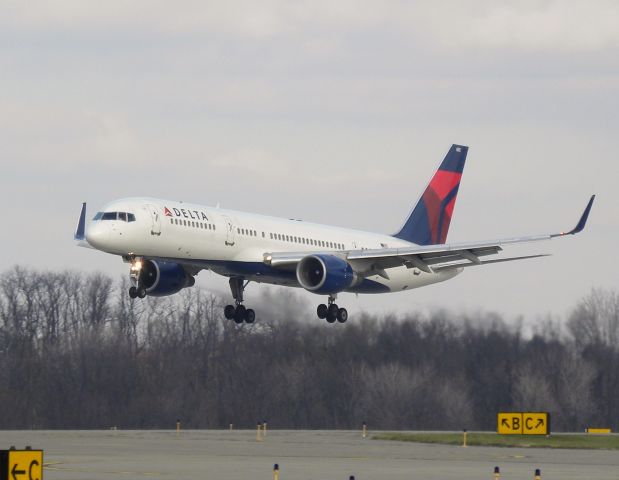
column 580, row 441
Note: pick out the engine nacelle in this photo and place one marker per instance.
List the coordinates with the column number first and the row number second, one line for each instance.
column 164, row 278
column 325, row 274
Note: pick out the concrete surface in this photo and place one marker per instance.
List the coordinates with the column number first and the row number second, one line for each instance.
column 302, row 455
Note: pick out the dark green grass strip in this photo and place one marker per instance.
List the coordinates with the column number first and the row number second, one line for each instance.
column 593, row 442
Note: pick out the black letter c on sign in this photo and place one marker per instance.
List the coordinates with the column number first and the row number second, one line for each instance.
column 32, row 464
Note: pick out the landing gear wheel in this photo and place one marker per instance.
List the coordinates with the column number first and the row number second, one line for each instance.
column 332, row 313
column 141, row 291
column 239, row 314
column 250, row 316
column 342, row 315
column 229, row 312
column 322, row 311
column 133, row 292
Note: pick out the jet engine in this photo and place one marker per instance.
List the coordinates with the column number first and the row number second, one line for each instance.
column 164, row 278
column 325, row 274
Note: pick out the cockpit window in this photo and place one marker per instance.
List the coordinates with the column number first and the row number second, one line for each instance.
column 122, row 216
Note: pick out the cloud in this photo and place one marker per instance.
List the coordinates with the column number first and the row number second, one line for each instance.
column 530, row 25
column 534, row 25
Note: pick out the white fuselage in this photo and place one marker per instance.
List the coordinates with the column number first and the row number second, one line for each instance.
column 233, row 243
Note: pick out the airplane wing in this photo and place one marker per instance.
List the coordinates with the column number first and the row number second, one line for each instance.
column 428, row 258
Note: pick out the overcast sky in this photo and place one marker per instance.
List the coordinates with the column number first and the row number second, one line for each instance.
column 336, row 112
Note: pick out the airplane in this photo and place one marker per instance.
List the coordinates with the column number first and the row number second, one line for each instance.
column 167, row 243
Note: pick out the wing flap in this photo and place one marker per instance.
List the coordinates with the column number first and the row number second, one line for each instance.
column 486, row 262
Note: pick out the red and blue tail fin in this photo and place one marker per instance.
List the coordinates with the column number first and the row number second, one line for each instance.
column 428, row 224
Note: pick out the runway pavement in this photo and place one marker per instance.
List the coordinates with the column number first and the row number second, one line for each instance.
column 301, row 455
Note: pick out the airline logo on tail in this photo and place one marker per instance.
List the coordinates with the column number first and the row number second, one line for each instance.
column 429, row 222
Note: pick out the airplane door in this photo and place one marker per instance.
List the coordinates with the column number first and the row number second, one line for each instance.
column 155, row 228
column 229, row 231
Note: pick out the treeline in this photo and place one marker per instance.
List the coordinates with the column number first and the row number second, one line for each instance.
column 76, row 352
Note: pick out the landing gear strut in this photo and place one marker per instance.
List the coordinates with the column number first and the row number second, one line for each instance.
column 137, row 289
column 332, row 312
column 239, row 313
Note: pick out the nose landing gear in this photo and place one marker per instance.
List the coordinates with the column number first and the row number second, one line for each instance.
column 332, row 312
column 239, row 313
column 136, row 290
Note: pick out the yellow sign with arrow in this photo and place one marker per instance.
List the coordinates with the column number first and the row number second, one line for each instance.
column 523, row 423
column 21, row 464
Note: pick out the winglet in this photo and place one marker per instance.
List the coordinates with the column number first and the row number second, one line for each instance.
column 581, row 223
column 81, row 225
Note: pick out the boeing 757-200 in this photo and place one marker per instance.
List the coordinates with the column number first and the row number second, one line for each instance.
column 167, row 243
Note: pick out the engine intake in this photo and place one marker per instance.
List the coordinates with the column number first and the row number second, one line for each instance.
column 164, row 278
column 325, row 274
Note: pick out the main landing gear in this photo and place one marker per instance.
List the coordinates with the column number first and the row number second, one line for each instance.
column 239, row 313
column 332, row 312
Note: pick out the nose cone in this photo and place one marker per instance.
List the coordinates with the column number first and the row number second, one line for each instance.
column 98, row 234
